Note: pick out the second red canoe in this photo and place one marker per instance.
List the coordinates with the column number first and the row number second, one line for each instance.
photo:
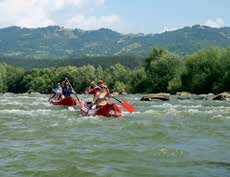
column 68, row 101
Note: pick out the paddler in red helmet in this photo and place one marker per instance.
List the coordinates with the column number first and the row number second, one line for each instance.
column 101, row 98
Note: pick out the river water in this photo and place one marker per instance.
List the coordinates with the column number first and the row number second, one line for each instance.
column 175, row 138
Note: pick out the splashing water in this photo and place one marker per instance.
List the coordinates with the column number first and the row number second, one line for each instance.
column 175, row 138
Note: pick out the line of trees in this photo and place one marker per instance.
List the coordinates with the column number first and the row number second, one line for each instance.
column 104, row 61
column 202, row 72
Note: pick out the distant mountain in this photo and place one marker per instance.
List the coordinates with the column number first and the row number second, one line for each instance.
column 58, row 42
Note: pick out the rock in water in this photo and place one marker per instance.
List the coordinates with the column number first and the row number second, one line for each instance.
column 222, row 96
column 156, row 97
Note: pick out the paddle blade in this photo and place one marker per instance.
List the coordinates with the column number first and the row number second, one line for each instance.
column 128, row 107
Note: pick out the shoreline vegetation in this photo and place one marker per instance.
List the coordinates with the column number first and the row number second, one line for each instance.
column 203, row 72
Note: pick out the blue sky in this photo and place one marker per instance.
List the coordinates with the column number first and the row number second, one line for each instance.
column 126, row 16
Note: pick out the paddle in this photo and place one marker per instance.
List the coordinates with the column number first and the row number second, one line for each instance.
column 128, row 107
column 51, row 97
column 66, row 79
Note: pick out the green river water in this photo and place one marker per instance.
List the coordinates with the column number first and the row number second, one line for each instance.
column 175, row 138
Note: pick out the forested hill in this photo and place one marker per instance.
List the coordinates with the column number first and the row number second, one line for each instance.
column 58, row 42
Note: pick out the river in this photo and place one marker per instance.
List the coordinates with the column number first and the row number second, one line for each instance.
column 174, row 138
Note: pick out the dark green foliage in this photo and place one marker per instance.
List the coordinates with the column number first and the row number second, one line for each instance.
column 202, row 72
column 161, row 68
column 3, row 78
column 223, row 83
column 14, row 79
column 104, row 62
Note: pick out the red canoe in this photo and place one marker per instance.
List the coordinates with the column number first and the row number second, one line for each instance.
column 68, row 101
column 109, row 110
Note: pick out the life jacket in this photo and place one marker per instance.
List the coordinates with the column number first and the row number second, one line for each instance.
column 66, row 91
column 58, row 93
column 94, row 90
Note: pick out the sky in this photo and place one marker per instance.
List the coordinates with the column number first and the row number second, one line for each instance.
column 125, row 16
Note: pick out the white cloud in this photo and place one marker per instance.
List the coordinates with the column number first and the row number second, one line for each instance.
column 24, row 13
column 215, row 23
column 93, row 22
column 80, row 4
column 169, row 29
column 40, row 13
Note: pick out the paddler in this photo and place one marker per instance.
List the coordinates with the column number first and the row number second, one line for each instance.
column 67, row 90
column 57, row 92
column 101, row 98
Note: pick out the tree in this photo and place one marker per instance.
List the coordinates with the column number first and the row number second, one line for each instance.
column 3, row 76
column 137, row 83
column 203, row 71
column 161, row 68
column 14, row 79
column 224, row 62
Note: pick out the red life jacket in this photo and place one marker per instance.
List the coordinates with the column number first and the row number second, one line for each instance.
column 94, row 90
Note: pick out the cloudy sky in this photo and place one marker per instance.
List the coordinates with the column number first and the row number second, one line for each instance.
column 126, row 16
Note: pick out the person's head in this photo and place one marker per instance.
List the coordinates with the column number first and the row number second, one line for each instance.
column 93, row 85
column 100, row 82
column 103, row 88
column 66, row 84
column 58, row 85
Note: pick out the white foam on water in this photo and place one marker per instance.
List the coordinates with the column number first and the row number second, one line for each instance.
column 193, row 110
column 90, row 118
column 210, row 111
column 25, row 112
column 173, row 110
column 71, row 108
column 149, row 111
column 35, row 103
column 56, row 124
column 3, row 102
column 125, row 113
column 218, row 116
column 204, row 111
column 136, row 112
column 7, row 102
column 168, row 105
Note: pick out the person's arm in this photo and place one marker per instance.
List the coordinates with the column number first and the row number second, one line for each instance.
column 95, row 99
column 73, row 91
column 86, row 91
column 108, row 92
column 54, row 93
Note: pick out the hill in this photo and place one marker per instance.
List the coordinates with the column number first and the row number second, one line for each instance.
column 55, row 42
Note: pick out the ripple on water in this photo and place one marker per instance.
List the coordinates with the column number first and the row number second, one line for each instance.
column 175, row 138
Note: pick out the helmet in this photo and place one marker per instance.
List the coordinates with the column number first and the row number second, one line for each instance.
column 100, row 81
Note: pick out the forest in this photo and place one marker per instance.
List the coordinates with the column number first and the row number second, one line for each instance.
column 205, row 71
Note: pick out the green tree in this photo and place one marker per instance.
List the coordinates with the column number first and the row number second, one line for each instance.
column 14, row 79
column 203, row 71
column 3, row 78
column 224, row 62
column 137, row 83
column 161, row 68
